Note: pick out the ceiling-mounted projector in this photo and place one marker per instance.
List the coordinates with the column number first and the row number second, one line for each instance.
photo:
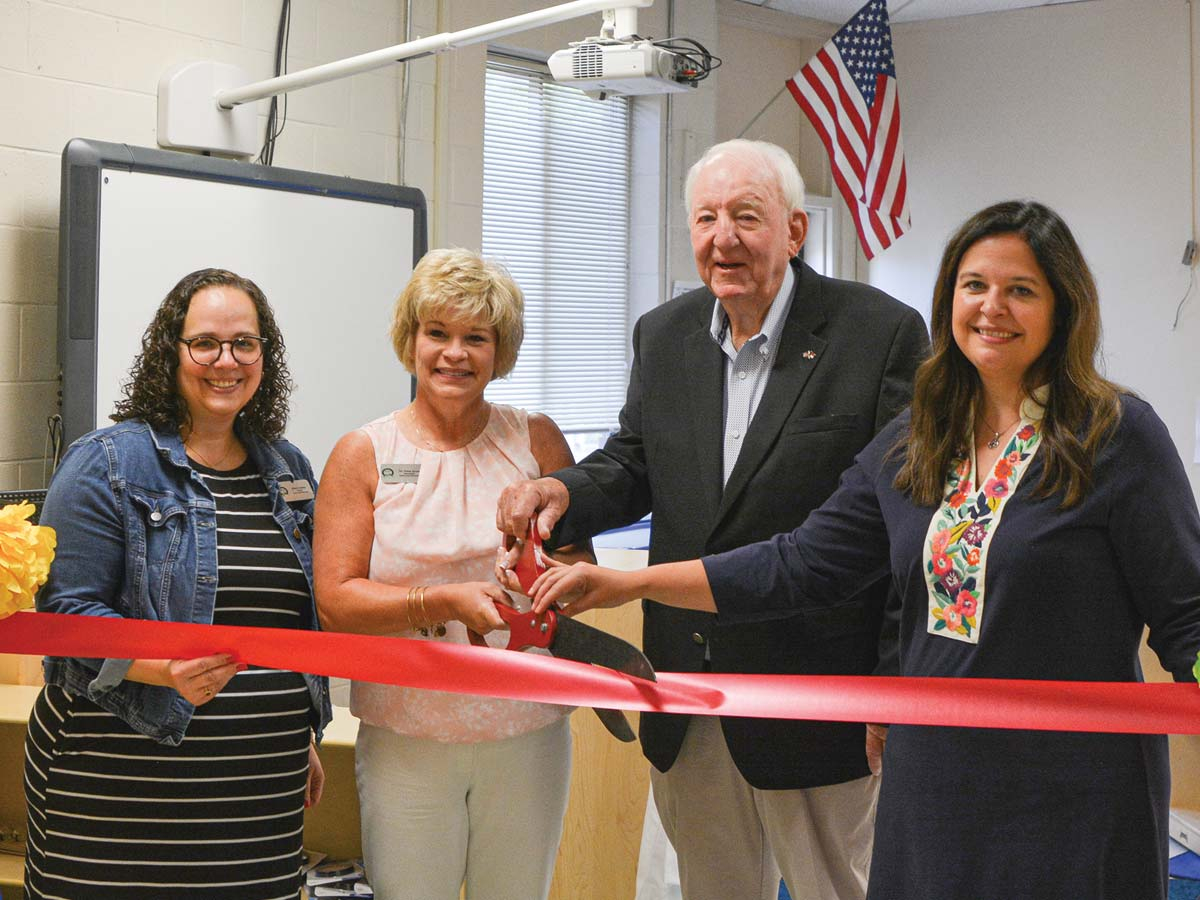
column 623, row 67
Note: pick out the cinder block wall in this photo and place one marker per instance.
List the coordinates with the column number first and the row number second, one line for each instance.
column 90, row 68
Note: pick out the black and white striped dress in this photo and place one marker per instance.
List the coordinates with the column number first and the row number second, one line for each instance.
column 115, row 815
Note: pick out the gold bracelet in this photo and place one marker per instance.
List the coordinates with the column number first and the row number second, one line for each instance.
column 415, row 623
column 408, row 609
column 421, row 603
column 437, row 627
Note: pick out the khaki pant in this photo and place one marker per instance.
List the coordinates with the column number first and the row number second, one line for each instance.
column 734, row 841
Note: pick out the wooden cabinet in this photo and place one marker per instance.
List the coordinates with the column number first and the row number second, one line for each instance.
column 332, row 825
column 602, row 834
column 16, row 700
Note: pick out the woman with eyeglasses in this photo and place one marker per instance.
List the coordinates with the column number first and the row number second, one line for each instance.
column 181, row 778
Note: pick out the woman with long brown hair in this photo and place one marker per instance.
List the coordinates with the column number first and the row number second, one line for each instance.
column 1034, row 518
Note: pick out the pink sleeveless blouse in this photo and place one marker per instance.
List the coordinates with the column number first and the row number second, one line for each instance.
column 442, row 530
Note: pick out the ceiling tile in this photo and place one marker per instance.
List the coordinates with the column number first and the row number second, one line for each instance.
column 839, row 11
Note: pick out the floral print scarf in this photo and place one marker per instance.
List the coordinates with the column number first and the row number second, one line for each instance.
column 956, row 545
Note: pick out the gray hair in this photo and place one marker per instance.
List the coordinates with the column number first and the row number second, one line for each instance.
column 787, row 176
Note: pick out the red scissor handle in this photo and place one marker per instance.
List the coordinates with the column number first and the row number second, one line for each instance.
column 531, row 563
column 525, row 629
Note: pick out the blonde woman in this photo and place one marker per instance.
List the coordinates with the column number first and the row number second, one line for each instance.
column 452, row 787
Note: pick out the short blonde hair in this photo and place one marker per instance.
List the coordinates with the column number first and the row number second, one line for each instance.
column 462, row 285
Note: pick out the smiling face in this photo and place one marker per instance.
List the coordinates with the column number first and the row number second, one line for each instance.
column 216, row 393
column 1003, row 315
column 455, row 357
column 743, row 234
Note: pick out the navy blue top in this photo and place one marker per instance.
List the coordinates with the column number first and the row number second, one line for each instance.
column 968, row 814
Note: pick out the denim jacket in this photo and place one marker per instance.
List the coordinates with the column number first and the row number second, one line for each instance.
column 137, row 539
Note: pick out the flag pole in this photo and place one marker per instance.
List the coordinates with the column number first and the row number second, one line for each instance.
column 761, row 111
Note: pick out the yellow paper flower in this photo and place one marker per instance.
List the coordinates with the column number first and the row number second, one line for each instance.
column 25, row 554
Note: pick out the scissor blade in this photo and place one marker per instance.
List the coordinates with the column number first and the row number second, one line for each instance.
column 616, row 723
column 575, row 640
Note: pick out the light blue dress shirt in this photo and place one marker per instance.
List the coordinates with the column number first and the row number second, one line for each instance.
column 747, row 369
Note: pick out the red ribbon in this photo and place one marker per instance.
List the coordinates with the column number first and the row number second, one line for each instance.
column 979, row 702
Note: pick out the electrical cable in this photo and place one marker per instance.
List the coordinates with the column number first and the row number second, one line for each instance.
column 669, row 214
column 275, row 122
column 695, row 55
column 401, row 162
column 1183, row 299
column 52, row 447
column 1191, row 264
column 1188, row 260
column 699, row 61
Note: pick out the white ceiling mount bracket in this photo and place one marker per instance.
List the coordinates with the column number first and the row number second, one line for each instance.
column 208, row 105
column 189, row 117
column 626, row 22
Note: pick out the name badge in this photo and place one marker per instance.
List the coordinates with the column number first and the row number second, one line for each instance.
column 400, row 473
column 295, row 491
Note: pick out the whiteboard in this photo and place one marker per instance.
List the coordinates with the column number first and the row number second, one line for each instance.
column 331, row 254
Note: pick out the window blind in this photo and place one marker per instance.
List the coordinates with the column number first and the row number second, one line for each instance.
column 556, row 214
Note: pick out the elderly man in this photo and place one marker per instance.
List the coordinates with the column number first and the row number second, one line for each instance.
column 746, row 401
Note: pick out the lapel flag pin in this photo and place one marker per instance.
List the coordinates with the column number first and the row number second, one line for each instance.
column 809, row 354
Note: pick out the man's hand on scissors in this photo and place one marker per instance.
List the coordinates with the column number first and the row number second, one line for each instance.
column 542, row 502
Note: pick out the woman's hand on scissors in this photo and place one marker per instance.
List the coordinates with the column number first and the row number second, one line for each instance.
column 473, row 603
column 579, row 587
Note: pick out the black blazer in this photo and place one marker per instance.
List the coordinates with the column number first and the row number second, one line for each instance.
column 843, row 370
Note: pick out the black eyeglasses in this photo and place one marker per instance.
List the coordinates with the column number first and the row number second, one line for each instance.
column 205, row 350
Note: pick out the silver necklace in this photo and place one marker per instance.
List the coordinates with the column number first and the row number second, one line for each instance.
column 996, row 433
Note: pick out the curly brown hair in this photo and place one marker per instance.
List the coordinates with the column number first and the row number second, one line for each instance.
column 1083, row 407
column 152, row 392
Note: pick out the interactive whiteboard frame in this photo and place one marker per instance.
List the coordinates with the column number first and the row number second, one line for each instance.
column 331, row 254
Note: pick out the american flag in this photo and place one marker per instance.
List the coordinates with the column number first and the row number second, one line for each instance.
column 848, row 92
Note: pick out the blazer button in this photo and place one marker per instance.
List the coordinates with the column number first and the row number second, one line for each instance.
column 697, row 637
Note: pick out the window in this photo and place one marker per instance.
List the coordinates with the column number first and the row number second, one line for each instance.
column 556, row 177
column 818, row 249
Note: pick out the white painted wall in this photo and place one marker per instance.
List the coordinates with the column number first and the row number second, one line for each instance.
column 1084, row 107
column 90, row 68
column 749, row 103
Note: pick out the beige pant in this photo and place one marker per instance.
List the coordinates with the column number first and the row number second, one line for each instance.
column 734, row 840
column 435, row 814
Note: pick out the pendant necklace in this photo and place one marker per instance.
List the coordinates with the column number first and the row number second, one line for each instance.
column 996, row 433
